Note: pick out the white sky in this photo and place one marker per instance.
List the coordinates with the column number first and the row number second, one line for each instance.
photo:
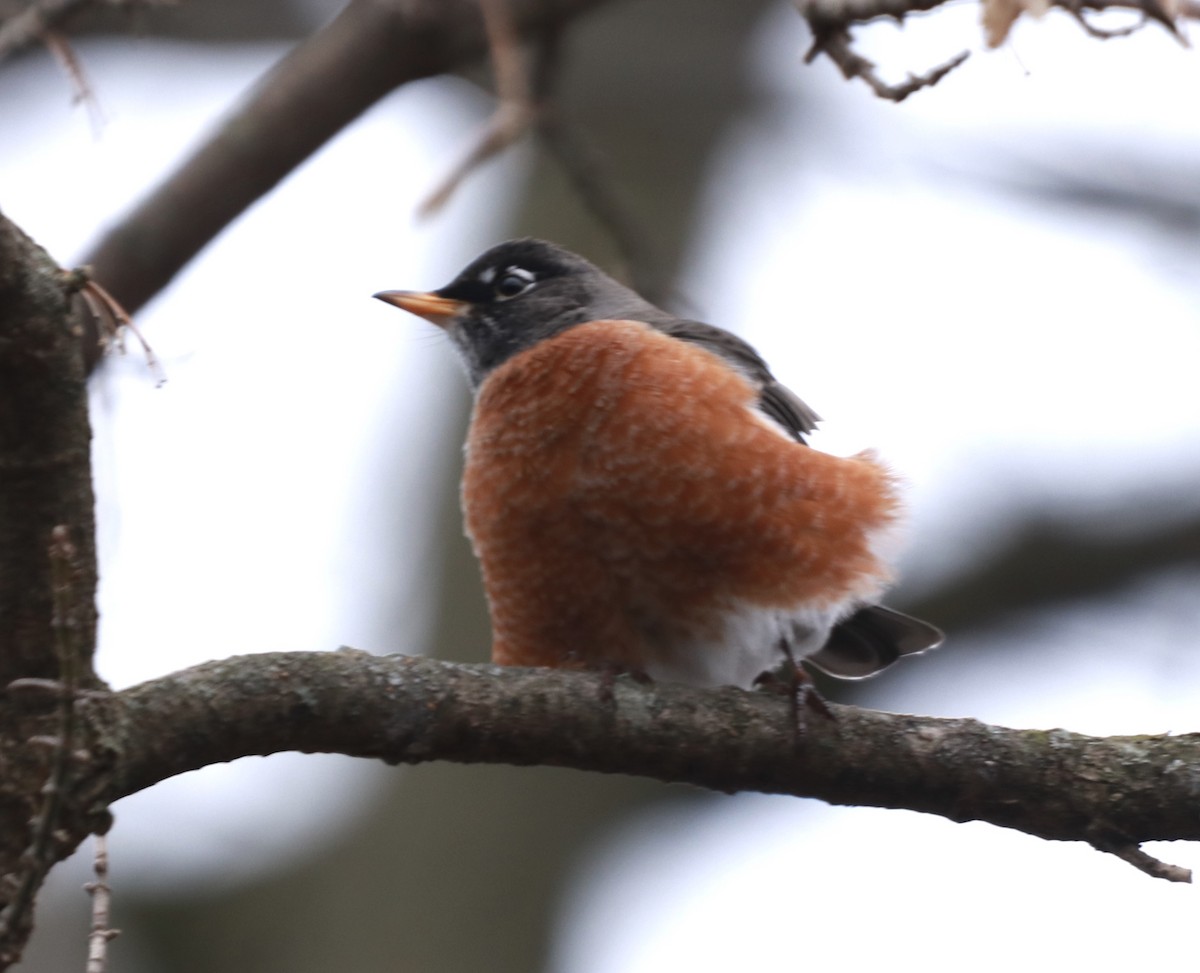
column 994, row 350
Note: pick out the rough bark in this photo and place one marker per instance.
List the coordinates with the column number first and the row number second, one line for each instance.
column 47, row 571
column 1050, row 783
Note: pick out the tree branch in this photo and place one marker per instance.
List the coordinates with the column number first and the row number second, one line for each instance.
column 45, row 472
column 369, row 49
column 1110, row 792
column 831, row 21
column 837, row 44
column 47, row 573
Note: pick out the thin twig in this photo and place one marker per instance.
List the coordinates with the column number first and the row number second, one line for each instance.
column 1132, row 853
column 835, row 42
column 112, row 321
column 831, row 22
column 1167, row 14
column 367, row 50
column 514, row 112
column 1106, row 33
column 506, row 125
column 83, row 91
column 526, row 100
column 101, row 892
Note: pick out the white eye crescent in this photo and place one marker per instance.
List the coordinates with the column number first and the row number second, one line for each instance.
column 512, row 282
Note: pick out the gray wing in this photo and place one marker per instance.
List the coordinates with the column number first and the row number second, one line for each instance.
column 872, row 639
column 775, row 399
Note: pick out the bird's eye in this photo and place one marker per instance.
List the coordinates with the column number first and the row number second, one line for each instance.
column 511, row 283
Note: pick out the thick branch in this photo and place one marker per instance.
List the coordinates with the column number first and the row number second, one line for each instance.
column 45, row 472
column 47, row 570
column 1111, row 792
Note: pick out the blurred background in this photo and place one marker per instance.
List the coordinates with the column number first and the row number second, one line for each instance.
column 993, row 283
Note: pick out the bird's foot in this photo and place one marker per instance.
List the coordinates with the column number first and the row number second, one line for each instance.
column 793, row 681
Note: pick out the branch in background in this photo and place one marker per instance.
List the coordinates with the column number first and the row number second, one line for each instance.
column 585, row 170
column 525, row 101
column 368, row 50
column 515, row 109
column 65, row 54
column 831, row 21
column 1113, row 793
column 112, row 322
column 836, row 44
column 1046, row 563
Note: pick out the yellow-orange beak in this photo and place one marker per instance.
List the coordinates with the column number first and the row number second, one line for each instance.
column 432, row 307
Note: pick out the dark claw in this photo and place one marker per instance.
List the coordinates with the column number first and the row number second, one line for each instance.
column 792, row 679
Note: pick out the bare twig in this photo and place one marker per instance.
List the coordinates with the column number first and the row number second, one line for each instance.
column 1106, row 33
column 836, row 44
column 504, row 46
column 846, row 12
column 831, row 22
column 102, row 932
column 507, row 124
column 526, row 100
column 112, row 321
column 1144, row 862
column 515, row 110
column 62, row 50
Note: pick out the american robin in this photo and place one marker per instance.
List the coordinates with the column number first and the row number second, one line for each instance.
column 640, row 494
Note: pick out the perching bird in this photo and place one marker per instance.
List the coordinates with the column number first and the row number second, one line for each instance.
column 639, row 493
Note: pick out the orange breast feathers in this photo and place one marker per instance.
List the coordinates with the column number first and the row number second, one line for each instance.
column 623, row 494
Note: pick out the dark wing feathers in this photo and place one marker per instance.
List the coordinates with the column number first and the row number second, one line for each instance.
column 872, row 639
column 775, row 399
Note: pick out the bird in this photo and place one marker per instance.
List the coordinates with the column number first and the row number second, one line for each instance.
column 640, row 491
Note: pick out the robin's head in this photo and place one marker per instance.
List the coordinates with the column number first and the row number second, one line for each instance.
column 515, row 295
